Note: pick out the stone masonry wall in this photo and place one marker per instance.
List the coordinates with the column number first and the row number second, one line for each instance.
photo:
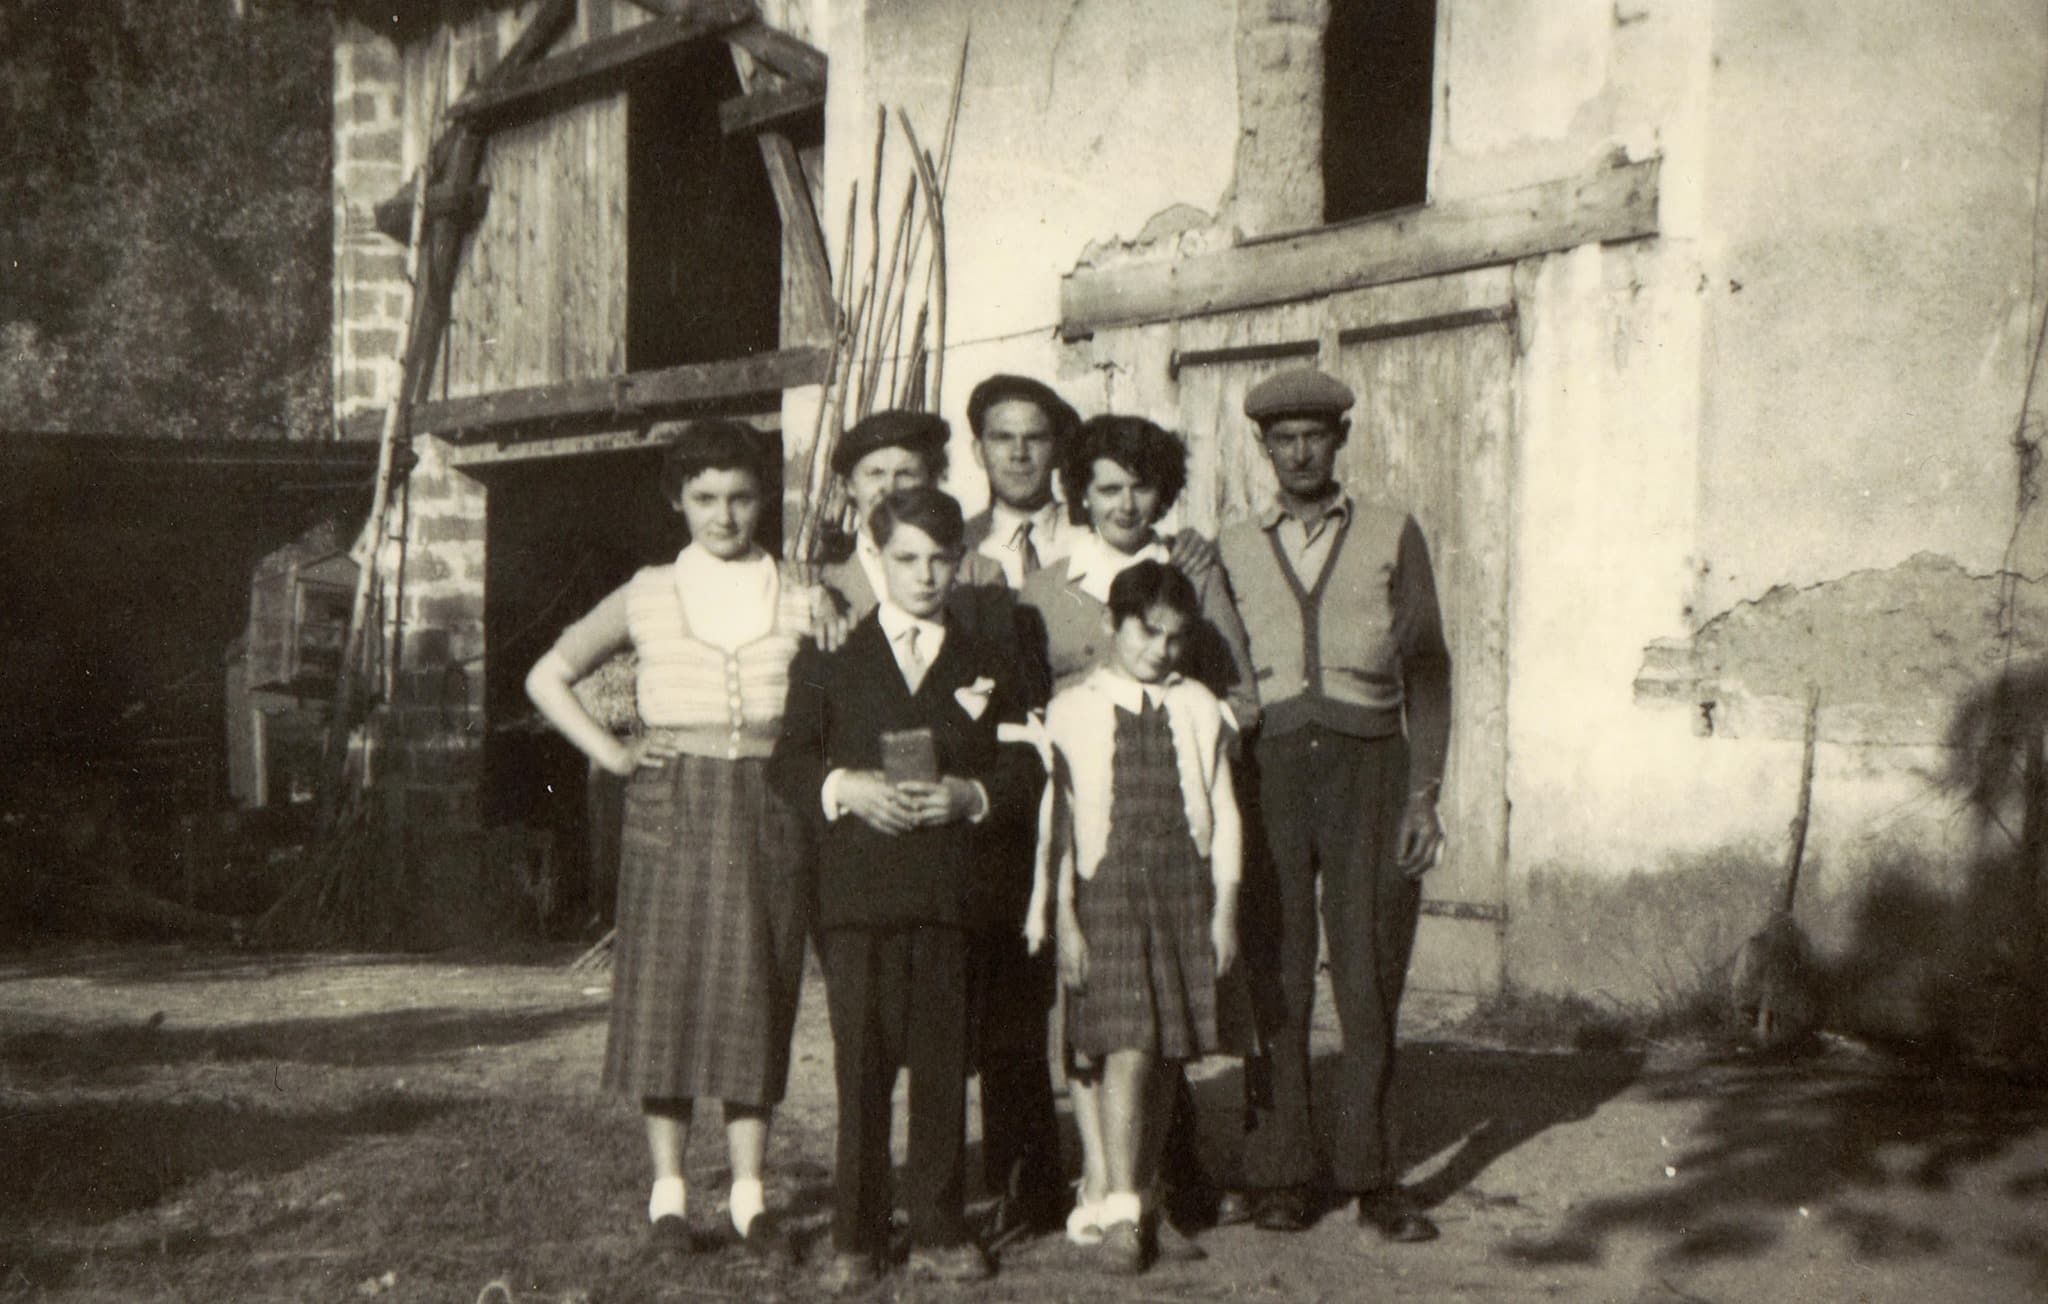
column 369, row 268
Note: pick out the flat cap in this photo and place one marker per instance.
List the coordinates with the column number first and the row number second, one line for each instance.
column 1300, row 393
column 921, row 432
column 1003, row 387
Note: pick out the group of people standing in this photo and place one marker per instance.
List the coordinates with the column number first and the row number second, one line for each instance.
column 1044, row 767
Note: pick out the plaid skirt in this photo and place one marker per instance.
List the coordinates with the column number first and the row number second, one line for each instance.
column 711, row 920
column 1152, row 982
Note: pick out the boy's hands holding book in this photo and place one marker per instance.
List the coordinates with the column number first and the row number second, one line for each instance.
column 869, row 797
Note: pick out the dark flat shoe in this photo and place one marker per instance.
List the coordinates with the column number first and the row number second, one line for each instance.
column 1284, row 1210
column 670, row 1235
column 1233, row 1209
column 1394, row 1220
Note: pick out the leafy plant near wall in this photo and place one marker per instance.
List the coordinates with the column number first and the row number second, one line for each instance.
column 165, row 244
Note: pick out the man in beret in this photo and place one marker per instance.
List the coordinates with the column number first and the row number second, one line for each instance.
column 886, row 451
column 1354, row 683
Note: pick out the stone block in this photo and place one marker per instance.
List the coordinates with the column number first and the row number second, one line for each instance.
column 360, row 265
column 450, row 611
column 452, row 527
column 375, row 342
column 426, row 648
column 384, row 145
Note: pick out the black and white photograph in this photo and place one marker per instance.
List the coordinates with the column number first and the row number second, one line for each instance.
column 1023, row 650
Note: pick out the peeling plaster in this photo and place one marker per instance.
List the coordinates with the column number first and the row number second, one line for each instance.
column 1893, row 652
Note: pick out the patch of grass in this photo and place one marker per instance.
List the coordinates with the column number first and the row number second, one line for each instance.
column 1522, row 1019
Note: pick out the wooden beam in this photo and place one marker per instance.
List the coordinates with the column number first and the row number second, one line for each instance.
column 463, row 205
column 804, row 236
column 612, row 397
column 1613, row 204
column 776, row 50
column 768, row 106
column 780, row 52
column 497, row 452
column 596, row 64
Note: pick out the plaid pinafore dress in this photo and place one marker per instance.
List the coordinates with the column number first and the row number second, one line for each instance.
column 1145, row 914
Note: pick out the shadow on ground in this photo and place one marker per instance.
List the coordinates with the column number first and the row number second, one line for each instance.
column 51, row 1052
column 1778, row 1137
column 1460, row 1107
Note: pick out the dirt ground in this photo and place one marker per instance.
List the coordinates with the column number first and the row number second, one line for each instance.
column 190, row 1125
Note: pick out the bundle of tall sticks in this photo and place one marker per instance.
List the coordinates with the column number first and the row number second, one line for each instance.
column 873, row 364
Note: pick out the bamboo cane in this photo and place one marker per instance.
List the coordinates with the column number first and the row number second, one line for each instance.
column 932, row 197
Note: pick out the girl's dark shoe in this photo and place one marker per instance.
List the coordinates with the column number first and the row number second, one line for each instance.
column 1122, row 1252
column 1394, row 1218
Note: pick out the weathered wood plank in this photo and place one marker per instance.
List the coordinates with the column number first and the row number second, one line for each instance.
column 769, row 105
column 803, row 237
column 496, row 452
column 1614, row 204
column 777, row 50
column 594, row 65
column 636, row 393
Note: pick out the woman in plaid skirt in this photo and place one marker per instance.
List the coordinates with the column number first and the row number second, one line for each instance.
column 711, row 906
column 1141, row 830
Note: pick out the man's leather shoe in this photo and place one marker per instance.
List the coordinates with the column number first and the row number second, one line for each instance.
column 952, row 1263
column 847, row 1273
column 1394, row 1219
column 1233, row 1209
column 1284, row 1209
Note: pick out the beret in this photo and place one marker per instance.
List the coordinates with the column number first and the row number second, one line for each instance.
column 1001, row 388
column 1301, row 393
column 922, row 432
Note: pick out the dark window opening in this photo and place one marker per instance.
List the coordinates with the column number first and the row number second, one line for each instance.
column 704, row 238
column 1378, row 69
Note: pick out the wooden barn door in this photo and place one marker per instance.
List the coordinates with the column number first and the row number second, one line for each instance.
column 1433, row 365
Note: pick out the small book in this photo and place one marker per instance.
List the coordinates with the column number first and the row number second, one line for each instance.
column 909, row 756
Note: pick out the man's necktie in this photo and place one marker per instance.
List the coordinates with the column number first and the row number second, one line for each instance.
column 1026, row 550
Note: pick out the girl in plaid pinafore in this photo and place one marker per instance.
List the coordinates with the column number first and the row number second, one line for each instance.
column 1142, row 827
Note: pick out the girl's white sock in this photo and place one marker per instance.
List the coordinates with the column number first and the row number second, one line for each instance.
column 1120, row 1207
column 748, row 1203
column 667, row 1199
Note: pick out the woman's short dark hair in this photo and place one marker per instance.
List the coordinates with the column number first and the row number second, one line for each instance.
column 1151, row 584
column 932, row 510
column 715, row 444
column 1153, row 455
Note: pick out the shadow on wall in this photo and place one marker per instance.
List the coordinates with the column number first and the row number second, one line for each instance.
column 1947, row 957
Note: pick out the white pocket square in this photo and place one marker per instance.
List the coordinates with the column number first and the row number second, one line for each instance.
column 973, row 699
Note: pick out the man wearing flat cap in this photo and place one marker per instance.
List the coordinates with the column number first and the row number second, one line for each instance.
column 1354, row 683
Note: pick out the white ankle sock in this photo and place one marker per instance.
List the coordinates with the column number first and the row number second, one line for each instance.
column 748, row 1203
column 1120, row 1207
column 668, row 1197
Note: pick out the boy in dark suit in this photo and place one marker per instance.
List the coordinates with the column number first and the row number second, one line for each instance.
column 891, row 741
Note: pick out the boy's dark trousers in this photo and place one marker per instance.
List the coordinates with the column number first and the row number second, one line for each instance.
column 897, row 998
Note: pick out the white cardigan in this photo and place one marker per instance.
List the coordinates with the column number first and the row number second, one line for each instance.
column 1080, row 729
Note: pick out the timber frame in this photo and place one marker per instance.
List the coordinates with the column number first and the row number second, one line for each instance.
column 1608, row 206
column 789, row 80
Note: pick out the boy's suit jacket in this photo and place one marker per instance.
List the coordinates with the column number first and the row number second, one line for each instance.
column 840, row 703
